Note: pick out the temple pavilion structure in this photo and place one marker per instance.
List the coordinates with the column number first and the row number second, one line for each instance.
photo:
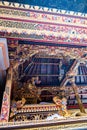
column 43, row 54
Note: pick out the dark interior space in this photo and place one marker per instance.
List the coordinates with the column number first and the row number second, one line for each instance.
column 2, row 85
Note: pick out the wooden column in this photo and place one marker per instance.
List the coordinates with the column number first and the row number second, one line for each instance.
column 82, row 109
column 6, row 98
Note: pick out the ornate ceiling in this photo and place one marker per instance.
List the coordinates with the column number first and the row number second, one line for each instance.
column 69, row 5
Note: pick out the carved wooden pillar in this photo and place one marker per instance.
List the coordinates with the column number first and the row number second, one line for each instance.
column 82, row 109
column 6, row 98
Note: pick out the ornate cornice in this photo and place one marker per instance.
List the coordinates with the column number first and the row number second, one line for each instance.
column 42, row 24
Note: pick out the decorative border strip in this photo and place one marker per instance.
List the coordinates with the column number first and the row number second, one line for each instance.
column 53, row 28
column 43, row 23
column 42, row 38
column 67, row 124
column 49, row 10
column 42, row 16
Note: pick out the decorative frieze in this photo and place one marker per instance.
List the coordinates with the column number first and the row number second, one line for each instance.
column 42, row 25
